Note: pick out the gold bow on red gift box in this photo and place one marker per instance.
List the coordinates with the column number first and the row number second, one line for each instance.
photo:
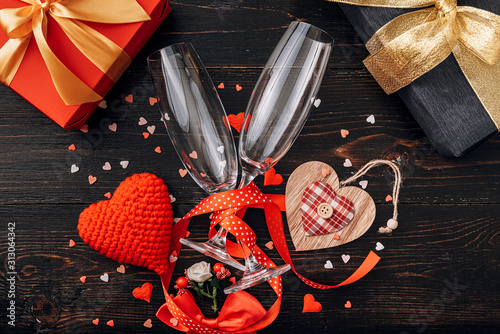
column 414, row 43
column 23, row 23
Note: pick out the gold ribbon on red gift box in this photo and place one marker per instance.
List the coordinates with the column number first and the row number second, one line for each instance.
column 23, row 23
column 414, row 43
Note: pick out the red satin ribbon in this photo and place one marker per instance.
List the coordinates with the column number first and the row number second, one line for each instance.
column 228, row 208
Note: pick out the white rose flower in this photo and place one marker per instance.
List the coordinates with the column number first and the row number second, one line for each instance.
column 199, row 272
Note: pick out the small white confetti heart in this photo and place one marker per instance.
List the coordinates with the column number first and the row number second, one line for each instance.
column 104, row 277
column 124, row 164
column 220, row 149
column 142, row 121
column 363, row 184
column 379, row 246
column 172, row 258
column 345, row 258
column 371, row 119
column 151, row 129
column 347, row 163
column 223, row 163
column 167, row 118
column 176, row 220
column 113, row 127
column 107, row 166
column 317, row 102
column 172, row 199
column 103, row 104
column 328, row 264
column 74, row 169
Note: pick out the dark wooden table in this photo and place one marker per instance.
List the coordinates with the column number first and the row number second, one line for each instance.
column 439, row 271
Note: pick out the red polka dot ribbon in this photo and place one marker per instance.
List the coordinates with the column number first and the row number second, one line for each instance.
column 228, row 208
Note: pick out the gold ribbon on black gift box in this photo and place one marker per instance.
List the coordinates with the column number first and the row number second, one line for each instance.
column 414, row 43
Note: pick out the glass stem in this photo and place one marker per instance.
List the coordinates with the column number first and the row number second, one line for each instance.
column 219, row 239
column 247, row 177
column 251, row 263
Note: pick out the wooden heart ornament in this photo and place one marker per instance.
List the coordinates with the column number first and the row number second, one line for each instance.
column 348, row 211
column 134, row 226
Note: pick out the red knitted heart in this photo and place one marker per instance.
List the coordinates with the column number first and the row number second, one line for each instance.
column 134, row 226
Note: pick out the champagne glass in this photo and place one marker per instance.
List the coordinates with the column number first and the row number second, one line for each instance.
column 198, row 128
column 278, row 108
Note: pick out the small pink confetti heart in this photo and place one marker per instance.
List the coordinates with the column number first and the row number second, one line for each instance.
column 104, row 277
column 269, row 245
column 388, row 198
column 328, row 264
column 151, row 129
column 325, row 172
column 172, row 199
column 174, row 322
column 193, row 155
column 110, row 323
column 121, row 269
column 371, row 119
column 158, row 149
column 176, row 220
column 173, row 257
column 129, row 98
column 142, row 121
column 124, row 164
column 95, row 321
column 336, row 237
column 113, row 127
column 92, row 179
column 348, row 304
column 74, row 169
column 72, row 147
column 148, row 323
column 183, row 172
column 347, row 163
column 145, row 135
column 153, row 101
column 238, row 88
column 71, row 243
column 84, row 128
column 83, row 279
column 107, row 166
column 345, row 258
column 363, row 184
column 344, row 133
column 221, row 85
column 103, row 104
column 108, row 195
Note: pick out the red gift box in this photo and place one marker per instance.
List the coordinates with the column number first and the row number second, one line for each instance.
column 33, row 81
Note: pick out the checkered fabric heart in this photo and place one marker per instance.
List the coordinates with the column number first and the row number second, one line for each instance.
column 315, row 195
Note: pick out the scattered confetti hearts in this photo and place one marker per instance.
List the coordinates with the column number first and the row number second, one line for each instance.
column 173, row 257
column 344, row 133
column 317, row 102
column 193, row 155
column 142, row 121
column 336, row 237
column 310, row 304
column 121, row 269
column 269, row 245
column 72, row 147
column 95, row 321
column 107, row 195
column 143, row 292
column 158, row 149
column 272, row 178
column 221, row 85
column 183, row 172
column 328, row 264
column 347, row 163
column 174, row 322
column 104, row 277
column 388, row 198
column 172, row 199
column 151, row 129
column 345, row 258
column 371, row 119
column 113, row 127
column 153, row 101
column 107, row 166
column 145, row 135
column 129, row 98
column 103, row 104
column 83, row 279
column 363, row 184
column 84, row 128
column 238, row 88
column 379, row 246
column 110, row 323
column 325, row 172
column 220, row 149
column 348, row 304
column 74, row 169
column 124, row 164
column 92, row 179
column 148, row 323
column 71, row 243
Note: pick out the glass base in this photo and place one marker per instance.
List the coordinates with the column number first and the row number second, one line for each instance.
column 257, row 277
column 213, row 252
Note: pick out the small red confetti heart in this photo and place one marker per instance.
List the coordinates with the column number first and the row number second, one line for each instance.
column 153, row 101
column 325, row 172
column 272, row 178
column 232, row 280
column 71, row 243
column 238, row 88
column 310, row 304
column 183, row 172
column 72, row 147
column 84, row 128
column 388, row 198
column 221, row 85
column 83, row 279
column 107, row 195
column 344, row 133
column 174, row 322
column 336, row 236
column 187, row 234
column 129, row 98
column 158, row 149
column 92, row 179
column 236, row 121
column 148, row 323
column 111, row 323
column 121, row 269
column 146, row 135
column 95, row 321
column 348, row 304
column 269, row 245
column 193, row 155
column 203, row 174
column 143, row 292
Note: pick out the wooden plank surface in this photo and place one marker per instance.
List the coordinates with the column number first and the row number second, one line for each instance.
column 439, row 271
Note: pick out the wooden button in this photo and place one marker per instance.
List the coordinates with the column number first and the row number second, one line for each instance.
column 325, row 210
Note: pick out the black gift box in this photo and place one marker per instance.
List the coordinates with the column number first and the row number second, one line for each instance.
column 442, row 101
